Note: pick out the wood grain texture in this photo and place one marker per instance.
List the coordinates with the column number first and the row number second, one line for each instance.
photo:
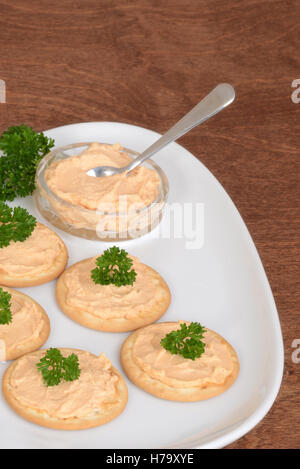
column 147, row 62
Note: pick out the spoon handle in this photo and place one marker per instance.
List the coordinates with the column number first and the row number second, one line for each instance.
column 219, row 98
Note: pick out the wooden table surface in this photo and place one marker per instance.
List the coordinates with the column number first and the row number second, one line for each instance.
column 147, row 62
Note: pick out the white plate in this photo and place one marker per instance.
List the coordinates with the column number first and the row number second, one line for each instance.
column 222, row 285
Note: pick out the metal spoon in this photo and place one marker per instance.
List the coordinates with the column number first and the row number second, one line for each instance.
column 219, row 98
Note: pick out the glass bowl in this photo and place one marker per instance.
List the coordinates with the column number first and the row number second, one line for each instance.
column 103, row 225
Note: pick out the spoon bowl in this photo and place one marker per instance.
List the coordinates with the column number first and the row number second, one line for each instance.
column 102, row 171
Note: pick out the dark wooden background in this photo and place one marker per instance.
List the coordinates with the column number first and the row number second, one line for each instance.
column 147, row 62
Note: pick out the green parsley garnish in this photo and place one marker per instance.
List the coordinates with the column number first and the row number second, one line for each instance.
column 5, row 311
column 55, row 368
column 185, row 341
column 16, row 224
column 22, row 148
column 114, row 267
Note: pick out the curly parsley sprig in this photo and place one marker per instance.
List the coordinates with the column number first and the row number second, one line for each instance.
column 55, row 368
column 185, row 341
column 22, row 149
column 16, row 224
column 5, row 307
column 114, row 267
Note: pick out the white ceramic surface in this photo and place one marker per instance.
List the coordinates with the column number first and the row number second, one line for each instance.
column 222, row 285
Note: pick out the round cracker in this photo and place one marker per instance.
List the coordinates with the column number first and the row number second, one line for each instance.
column 164, row 391
column 18, row 350
column 116, row 324
column 97, row 418
column 33, row 280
